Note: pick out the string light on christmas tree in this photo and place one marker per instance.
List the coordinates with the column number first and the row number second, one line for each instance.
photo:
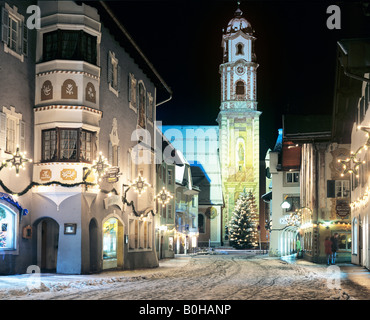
column 140, row 185
column 243, row 228
column 100, row 166
column 18, row 161
column 163, row 197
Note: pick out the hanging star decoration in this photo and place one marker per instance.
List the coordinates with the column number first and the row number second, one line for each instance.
column 100, row 166
column 18, row 161
column 352, row 164
column 163, row 197
column 140, row 185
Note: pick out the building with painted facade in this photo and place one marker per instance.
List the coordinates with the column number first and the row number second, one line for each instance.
column 83, row 93
column 324, row 193
column 351, row 119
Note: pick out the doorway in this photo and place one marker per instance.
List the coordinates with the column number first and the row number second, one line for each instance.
column 93, row 240
column 47, row 245
column 113, row 233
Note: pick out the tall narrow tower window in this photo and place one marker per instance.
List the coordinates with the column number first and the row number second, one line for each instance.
column 239, row 48
column 240, row 88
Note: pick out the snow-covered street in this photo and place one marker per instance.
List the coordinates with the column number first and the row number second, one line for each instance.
column 201, row 277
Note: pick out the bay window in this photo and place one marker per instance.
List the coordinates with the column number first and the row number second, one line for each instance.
column 63, row 144
column 70, row 45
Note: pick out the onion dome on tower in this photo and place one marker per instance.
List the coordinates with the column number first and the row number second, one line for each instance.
column 238, row 23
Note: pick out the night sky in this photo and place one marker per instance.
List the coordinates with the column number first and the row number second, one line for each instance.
column 295, row 51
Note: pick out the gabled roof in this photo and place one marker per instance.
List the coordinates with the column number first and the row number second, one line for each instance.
column 306, row 128
column 112, row 22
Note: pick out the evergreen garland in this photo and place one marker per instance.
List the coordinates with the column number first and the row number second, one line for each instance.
column 243, row 226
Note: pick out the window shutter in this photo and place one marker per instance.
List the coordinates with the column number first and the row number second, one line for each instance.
column 110, row 70
column 2, row 131
column 22, row 136
column 118, row 78
column 25, row 40
column 4, row 25
column 331, row 189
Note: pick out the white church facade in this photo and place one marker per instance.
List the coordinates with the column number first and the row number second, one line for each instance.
column 234, row 146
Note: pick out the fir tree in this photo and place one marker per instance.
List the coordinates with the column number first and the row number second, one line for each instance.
column 243, row 227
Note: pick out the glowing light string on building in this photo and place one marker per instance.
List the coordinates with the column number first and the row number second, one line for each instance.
column 163, row 197
column 100, row 166
column 347, row 168
column 140, row 185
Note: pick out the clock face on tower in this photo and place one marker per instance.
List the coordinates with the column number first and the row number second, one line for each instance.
column 240, row 70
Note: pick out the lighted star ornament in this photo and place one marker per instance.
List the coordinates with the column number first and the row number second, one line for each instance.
column 163, row 197
column 100, row 166
column 351, row 164
column 140, row 185
column 18, row 161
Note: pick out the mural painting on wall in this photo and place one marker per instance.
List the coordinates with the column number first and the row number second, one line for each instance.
column 45, row 175
column 150, row 107
column 68, row 174
column 90, row 93
column 69, row 89
column 46, row 91
column 141, row 120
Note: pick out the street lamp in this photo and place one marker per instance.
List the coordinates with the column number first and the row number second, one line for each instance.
column 285, row 204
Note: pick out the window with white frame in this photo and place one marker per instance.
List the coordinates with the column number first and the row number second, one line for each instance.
column 114, row 73
column 14, row 32
column 292, row 177
column 169, row 210
column 170, row 177
column 12, row 130
column 341, row 188
column 140, row 234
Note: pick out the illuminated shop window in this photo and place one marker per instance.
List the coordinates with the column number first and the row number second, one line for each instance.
column 7, row 229
column 110, row 239
column 344, row 240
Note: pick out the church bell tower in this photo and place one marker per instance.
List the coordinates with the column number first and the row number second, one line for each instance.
column 238, row 118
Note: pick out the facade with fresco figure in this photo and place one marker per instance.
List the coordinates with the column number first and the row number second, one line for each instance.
column 87, row 101
column 325, row 192
column 238, row 118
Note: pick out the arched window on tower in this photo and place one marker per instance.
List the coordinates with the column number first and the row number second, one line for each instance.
column 240, row 88
column 239, row 49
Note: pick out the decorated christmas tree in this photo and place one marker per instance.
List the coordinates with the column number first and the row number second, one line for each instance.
column 243, row 227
